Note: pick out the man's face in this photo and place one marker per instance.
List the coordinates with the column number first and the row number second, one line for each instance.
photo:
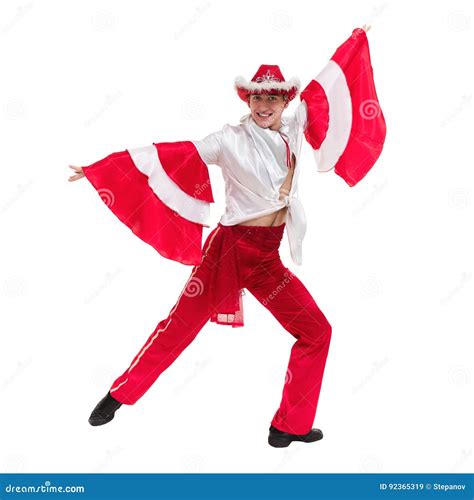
column 266, row 109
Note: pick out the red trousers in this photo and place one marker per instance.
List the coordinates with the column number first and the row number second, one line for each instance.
column 263, row 274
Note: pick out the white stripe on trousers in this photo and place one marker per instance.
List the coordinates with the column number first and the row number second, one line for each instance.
column 146, row 347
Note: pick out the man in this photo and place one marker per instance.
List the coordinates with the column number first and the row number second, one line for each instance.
column 162, row 193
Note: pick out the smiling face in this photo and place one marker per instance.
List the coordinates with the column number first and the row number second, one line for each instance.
column 266, row 109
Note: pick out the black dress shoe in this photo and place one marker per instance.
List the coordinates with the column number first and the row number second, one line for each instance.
column 280, row 439
column 104, row 411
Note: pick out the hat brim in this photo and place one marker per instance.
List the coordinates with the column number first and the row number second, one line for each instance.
column 244, row 88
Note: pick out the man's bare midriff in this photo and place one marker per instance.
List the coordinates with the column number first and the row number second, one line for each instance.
column 278, row 217
column 274, row 219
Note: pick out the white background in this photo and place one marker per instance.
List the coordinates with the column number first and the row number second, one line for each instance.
column 388, row 261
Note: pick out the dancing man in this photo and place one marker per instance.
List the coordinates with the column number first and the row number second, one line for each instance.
column 162, row 192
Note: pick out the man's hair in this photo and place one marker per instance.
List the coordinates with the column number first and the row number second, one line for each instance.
column 285, row 96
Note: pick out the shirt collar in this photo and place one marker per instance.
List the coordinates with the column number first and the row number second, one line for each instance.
column 284, row 126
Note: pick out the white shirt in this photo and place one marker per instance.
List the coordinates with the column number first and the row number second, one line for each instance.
column 253, row 161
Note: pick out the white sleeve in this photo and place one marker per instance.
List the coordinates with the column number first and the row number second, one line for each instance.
column 209, row 148
column 301, row 115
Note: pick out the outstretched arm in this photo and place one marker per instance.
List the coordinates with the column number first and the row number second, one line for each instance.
column 340, row 113
column 162, row 192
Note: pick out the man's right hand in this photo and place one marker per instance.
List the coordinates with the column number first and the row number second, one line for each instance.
column 79, row 173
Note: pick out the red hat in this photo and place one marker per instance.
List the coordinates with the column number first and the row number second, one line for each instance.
column 267, row 80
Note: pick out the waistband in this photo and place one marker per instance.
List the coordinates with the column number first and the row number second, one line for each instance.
column 256, row 231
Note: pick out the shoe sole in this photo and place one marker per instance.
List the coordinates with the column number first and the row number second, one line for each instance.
column 283, row 443
column 101, row 422
column 278, row 443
